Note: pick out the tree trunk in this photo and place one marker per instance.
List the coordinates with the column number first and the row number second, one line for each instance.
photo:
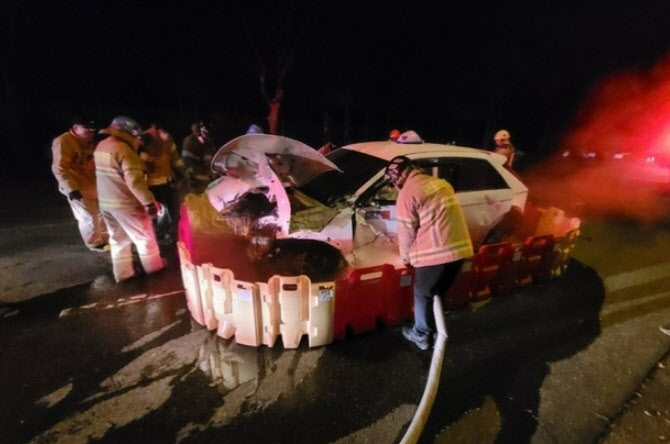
column 273, row 116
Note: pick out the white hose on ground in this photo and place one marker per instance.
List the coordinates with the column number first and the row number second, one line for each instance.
column 430, row 391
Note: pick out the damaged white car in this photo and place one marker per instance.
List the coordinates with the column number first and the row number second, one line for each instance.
column 277, row 191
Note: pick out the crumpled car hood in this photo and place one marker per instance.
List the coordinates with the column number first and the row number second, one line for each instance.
column 293, row 162
column 268, row 163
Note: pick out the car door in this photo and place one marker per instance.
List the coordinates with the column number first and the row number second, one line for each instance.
column 376, row 226
column 483, row 193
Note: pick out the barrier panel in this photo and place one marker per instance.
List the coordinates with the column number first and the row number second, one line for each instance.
column 269, row 296
column 488, row 268
column 321, row 313
column 293, row 296
column 246, row 313
column 189, row 277
column 218, row 282
column 184, row 232
column 458, row 294
column 366, row 289
column 536, row 259
column 342, row 309
column 399, row 301
column 206, row 297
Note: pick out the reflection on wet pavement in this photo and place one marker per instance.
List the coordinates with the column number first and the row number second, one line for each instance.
column 248, row 378
column 144, row 367
column 94, row 422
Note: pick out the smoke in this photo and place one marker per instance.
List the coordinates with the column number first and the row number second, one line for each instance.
column 615, row 159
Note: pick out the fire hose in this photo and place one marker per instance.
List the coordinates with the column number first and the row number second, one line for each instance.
column 430, row 391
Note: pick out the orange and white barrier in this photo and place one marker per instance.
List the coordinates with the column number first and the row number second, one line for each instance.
column 291, row 307
column 189, row 276
column 216, row 285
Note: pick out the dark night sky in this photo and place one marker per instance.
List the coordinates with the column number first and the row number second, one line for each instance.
column 450, row 70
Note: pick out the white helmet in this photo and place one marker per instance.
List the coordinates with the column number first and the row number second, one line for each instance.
column 502, row 135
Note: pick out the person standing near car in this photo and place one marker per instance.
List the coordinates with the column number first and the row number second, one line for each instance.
column 433, row 238
column 197, row 152
column 73, row 167
column 126, row 203
column 504, row 146
column 163, row 168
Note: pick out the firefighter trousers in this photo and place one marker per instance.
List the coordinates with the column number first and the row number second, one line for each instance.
column 91, row 226
column 430, row 281
column 128, row 227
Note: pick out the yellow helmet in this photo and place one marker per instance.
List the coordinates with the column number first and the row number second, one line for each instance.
column 501, row 135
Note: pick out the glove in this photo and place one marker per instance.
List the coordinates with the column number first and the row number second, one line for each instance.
column 74, row 195
column 152, row 209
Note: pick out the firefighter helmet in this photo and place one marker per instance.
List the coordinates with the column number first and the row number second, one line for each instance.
column 254, row 129
column 502, row 135
column 127, row 125
column 396, row 167
column 205, row 127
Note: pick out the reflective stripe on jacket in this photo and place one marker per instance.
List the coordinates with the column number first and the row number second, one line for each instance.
column 72, row 165
column 431, row 226
column 118, row 172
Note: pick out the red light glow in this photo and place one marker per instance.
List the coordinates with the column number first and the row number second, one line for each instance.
column 624, row 122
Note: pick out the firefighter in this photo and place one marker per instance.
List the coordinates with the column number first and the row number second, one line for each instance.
column 432, row 238
column 504, row 146
column 164, row 169
column 126, row 203
column 74, row 170
column 197, row 152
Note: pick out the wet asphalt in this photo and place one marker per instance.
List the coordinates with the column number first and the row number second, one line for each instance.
column 107, row 363
column 91, row 361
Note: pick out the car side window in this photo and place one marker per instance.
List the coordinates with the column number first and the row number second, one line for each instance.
column 465, row 173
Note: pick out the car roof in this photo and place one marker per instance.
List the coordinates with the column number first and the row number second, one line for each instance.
column 387, row 150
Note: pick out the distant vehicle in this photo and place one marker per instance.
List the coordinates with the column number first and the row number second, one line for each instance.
column 281, row 186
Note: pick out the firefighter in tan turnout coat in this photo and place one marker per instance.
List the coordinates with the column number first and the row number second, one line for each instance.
column 74, row 170
column 433, row 238
column 126, row 203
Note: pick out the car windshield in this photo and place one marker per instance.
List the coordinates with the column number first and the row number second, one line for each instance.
column 332, row 186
